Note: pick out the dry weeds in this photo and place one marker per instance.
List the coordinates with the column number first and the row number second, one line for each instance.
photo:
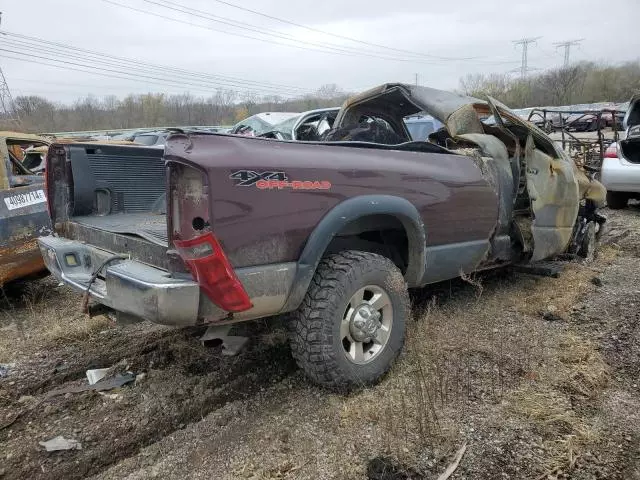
column 490, row 346
column 41, row 314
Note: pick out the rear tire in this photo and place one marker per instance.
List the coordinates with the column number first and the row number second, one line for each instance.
column 617, row 200
column 344, row 294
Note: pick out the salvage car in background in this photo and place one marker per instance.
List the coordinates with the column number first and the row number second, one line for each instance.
column 261, row 123
column 620, row 171
column 229, row 228
column 23, row 208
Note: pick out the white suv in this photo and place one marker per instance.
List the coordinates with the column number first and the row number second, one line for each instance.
column 621, row 164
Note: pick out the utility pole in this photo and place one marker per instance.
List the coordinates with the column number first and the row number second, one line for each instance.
column 524, row 68
column 567, row 48
column 7, row 107
column 416, row 79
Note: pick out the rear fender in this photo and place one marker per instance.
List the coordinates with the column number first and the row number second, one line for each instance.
column 345, row 213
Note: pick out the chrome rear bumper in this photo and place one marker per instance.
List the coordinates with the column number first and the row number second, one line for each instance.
column 125, row 285
column 153, row 294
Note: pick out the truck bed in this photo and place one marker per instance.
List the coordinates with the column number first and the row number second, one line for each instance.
column 113, row 197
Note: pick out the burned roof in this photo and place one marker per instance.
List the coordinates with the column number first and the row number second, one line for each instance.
column 411, row 99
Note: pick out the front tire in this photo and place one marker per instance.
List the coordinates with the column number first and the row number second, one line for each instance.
column 351, row 324
column 617, row 200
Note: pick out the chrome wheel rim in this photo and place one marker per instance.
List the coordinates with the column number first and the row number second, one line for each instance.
column 366, row 324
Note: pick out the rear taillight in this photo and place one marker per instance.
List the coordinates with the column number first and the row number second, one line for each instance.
column 210, row 267
column 611, row 151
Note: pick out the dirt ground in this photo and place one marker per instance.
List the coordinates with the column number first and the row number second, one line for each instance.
column 538, row 376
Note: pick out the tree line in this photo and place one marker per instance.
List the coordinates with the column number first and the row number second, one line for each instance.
column 585, row 82
column 223, row 107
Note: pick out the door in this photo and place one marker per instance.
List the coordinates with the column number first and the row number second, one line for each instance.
column 552, row 187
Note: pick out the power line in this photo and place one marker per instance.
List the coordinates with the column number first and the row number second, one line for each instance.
column 252, row 28
column 567, row 48
column 103, row 74
column 321, row 48
column 335, row 35
column 68, row 84
column 129, row 73
column 6, row 99
column 203, row 14
column 33, row 43
column 241, row 35
column 131, row 69
column 524, row 68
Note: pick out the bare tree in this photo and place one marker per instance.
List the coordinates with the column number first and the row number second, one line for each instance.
column 562, row 84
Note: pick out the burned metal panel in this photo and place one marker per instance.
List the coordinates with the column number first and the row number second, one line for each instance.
column 20, row 261
column 553, row 191
column 464, row 120
column 555, row 187
column 590, row 189
column 23, row 212
column 441, row 104
column 438, row 103
column 23, row 217
column 496, row 166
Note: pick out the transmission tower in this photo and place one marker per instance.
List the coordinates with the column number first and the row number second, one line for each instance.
column 7, row 107
column 567, row 48
column 524, row 68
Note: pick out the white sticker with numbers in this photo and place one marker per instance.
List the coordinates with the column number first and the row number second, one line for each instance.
column 20, row 200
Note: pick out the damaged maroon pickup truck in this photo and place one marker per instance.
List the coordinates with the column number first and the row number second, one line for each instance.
column 223, row 228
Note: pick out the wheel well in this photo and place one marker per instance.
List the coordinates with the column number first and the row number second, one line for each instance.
column 381, row 234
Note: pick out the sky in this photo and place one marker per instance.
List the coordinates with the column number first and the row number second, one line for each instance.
column 355, row 44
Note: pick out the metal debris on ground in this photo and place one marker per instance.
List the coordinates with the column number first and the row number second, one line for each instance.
column 97, row 374
column 61, row 443
column 103, row 385
column 231, row 344
column 4, row 371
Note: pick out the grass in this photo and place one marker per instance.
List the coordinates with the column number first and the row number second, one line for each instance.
column 41, row 314
column 489, row 353
column 482, row 358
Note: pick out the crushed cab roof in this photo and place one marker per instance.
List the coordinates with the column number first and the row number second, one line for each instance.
column 438, row 103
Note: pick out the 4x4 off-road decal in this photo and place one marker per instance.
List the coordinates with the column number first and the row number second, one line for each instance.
column 275, row 181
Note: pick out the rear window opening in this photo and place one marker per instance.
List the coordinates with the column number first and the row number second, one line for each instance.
column 147, row 140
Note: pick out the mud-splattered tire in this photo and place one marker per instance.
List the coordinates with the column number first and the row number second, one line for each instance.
column 617, row 200
column 319, row 343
